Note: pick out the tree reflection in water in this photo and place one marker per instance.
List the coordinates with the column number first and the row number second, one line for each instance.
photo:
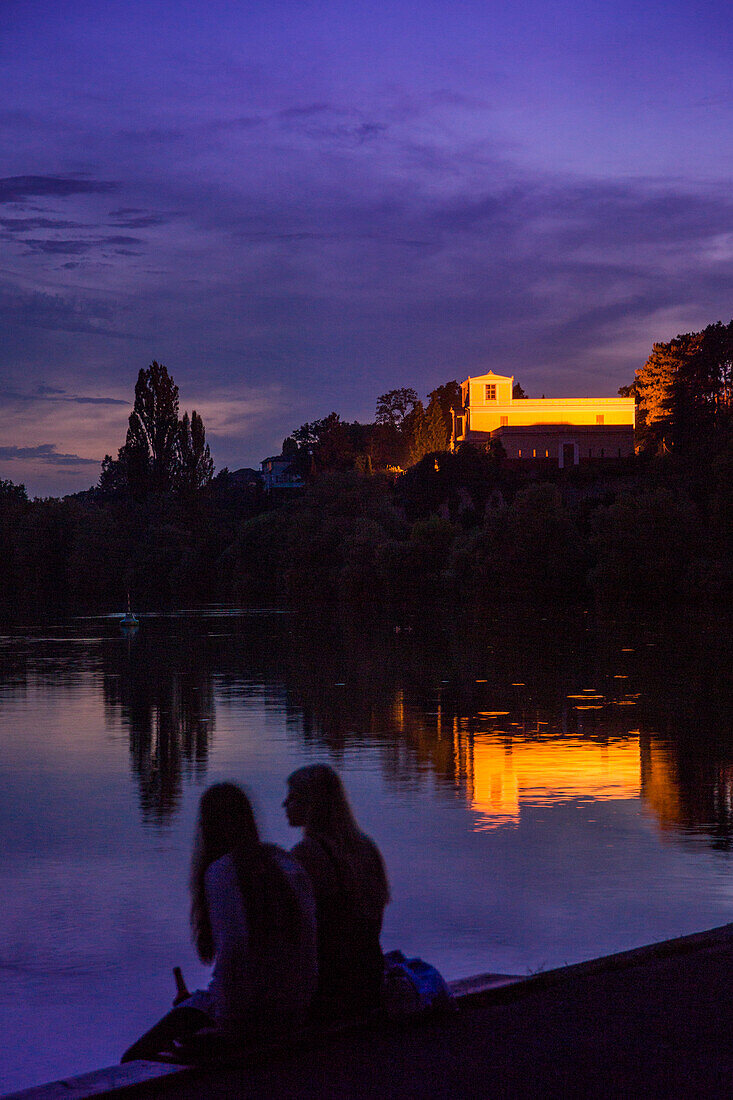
column 160, row 685
column 492, row 712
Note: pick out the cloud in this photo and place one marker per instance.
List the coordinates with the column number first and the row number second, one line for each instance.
column 16, row 188
column 95, row 400
column 46, row 454
column 340, row 249
column 369, row 130
column 48, row 394
column 307, row 110
column 26, row 225
column 72, row 313
column 139, row 220
column 79, row 246
column 154, row 135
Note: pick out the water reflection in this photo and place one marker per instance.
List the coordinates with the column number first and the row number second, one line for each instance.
column 518, row 714
column 159, row 688
column 500, row 715
column 544, row 792
column 507, row 774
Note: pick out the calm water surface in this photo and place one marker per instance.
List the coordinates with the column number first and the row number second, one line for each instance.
column 542, row 792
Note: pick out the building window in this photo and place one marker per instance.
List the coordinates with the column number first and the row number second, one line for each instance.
column 520, row 452
column 505, row 421
column 590, row 452
column 490, row 392
column 599, row 418
column 602, row 453
column 534, row 454
column 547, row 454
column 619, row 452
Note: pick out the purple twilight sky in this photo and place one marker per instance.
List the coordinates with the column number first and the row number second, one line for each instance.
column 298, row 205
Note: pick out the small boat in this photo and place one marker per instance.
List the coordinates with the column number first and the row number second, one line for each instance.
column 128, row 622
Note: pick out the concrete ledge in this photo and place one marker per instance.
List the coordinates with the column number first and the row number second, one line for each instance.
column 136, row 1078
column 623, row 960
column 112, row 1081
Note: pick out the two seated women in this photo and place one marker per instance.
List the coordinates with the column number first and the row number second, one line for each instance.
column 293, row 937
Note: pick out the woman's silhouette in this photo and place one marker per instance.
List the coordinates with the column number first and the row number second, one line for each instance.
column 253, row 917
column 351, row 889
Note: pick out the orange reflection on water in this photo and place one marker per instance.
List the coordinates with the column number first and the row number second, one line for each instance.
column 661, row 788
column 504, row 775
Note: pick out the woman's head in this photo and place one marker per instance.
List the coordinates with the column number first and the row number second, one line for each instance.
column 316, row 800
column 225, row 821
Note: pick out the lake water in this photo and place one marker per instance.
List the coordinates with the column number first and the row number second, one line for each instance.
column 542, row 792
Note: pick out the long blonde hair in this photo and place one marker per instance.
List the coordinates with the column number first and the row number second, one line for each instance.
column 330, row 821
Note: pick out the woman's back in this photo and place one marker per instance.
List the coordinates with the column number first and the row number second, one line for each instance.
column 259, row 973
column 350, row 892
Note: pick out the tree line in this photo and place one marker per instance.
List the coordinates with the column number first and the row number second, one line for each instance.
column 462, row 526
column 684, row 392
column 403, row 431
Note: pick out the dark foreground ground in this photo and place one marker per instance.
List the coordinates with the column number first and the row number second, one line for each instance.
column 657, row 1022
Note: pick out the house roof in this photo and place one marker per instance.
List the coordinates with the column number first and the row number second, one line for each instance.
column 491, row 377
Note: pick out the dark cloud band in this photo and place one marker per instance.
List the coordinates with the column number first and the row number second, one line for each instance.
column 46, row 454
column 17, row 188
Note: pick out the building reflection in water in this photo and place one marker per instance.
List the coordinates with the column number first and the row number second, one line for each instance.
column 506, row 774
column 503, row 723
column 498, row 720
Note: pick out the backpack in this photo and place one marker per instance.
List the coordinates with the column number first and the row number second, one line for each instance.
column 412, row 987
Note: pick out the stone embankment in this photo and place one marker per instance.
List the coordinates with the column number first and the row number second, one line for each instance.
column 654, row 1022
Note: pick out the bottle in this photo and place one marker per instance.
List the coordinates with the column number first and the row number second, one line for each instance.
column 181, row 990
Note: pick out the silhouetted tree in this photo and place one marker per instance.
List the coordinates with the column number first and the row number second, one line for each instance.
column 10, row 493
column 195, row 466
column 153, row 434
column 701, row 398
column 394, row 406
column 653, row 384
column 160, row 453
column 114, row 477
column 415, row 433
column 326, row 445
column 443, row 402
column 684, row 391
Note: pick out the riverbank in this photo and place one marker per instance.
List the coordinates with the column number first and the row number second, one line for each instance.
column 655, row 1021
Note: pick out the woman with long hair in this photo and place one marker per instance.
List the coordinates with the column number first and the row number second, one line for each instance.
column 351, row 889
column 253, row 917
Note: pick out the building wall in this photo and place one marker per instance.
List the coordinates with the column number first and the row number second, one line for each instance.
column 277, row 474
column 548, row 441
column 473, row 390
column 486, row 417
column 486, row 413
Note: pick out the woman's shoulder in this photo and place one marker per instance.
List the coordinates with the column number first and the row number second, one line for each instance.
column 221, row 872
column 311, row 851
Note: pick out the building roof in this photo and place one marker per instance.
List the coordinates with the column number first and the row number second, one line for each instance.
column 490, row 376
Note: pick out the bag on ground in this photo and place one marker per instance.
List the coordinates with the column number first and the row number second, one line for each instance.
column 412, row 987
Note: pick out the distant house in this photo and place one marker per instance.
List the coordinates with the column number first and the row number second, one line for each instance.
column 563, row 431
column 277, row 473
column 245, row 477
